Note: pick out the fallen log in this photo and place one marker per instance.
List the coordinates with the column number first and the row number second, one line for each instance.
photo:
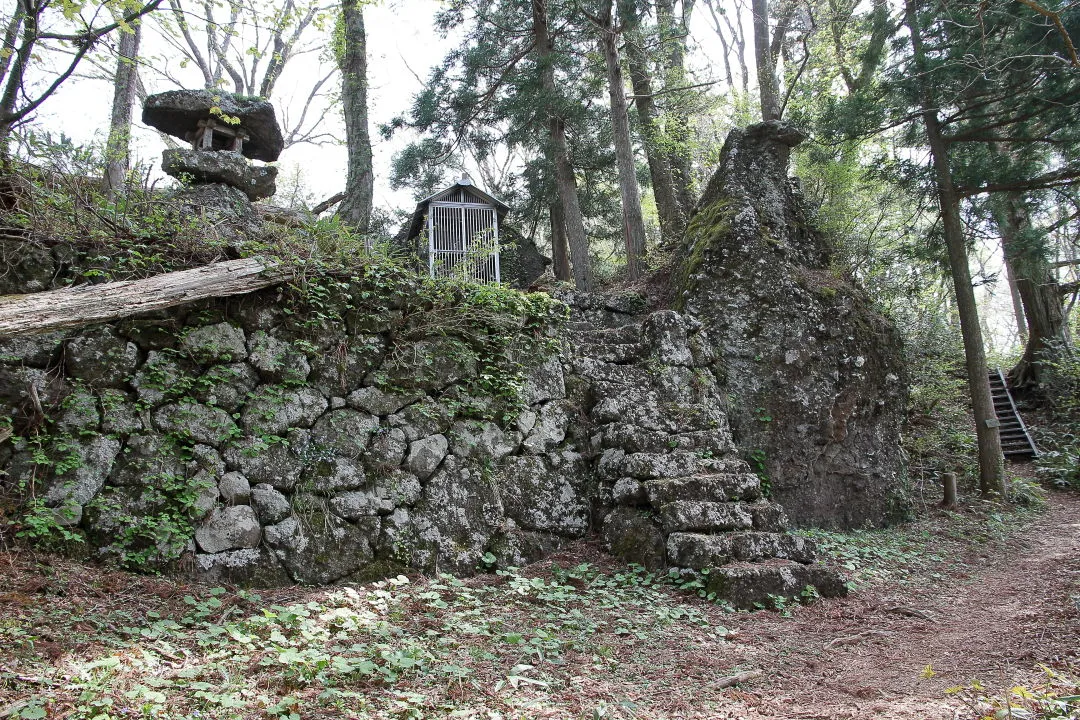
column 911, row 612
column 87, row 304
column 858, row 637
column 738, row 678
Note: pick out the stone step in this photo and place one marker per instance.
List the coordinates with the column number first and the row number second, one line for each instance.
column 616, row 353
column 633, row 376
column 597, row 320
column 714, row 487
column 625, row 335
column 746, row 585
column 632, row 395
column 714, row 517
column 697, row 550
column 769, row 516
column 705, row 517
column 677, row 463
column 636, row 439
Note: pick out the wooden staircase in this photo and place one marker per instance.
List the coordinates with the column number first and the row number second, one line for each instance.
column 1016, row 442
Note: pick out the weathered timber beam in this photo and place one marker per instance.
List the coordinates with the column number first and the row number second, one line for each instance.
column 328, row 203
column 87, row 304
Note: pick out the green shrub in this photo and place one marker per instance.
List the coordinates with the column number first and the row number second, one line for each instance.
column 1059, row 436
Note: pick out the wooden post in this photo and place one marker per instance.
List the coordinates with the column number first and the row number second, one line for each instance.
column 207, row 136
column 948, row 482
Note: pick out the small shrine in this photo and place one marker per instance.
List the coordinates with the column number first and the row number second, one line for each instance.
column 456, row 231
column 224, row 131
column 212, row 134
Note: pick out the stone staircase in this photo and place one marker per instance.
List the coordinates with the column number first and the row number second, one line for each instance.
column 674, row 492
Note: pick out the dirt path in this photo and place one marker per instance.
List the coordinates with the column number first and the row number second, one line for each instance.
column 1009, row 614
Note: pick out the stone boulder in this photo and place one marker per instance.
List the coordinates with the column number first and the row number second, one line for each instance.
column 521, row 262
column 223, row 206
column 101, row 358
column 546, row 494
column 227, row 168
column 270, row 505
column 28, row 267
column 178, row 113
column 319, row 548
column 122, row 521
column 452, row 524
column 220, row 343
column 146, row 460
column 94, row 458
column 277, row 464
column 255, row 567
column 273, row 409
column 230, row 528
column 432, row 364
column 813, row 373
column 276, row 359
column 425, row 455
column 204, row 424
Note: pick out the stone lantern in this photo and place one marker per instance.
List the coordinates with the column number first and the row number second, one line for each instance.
column 224, row 131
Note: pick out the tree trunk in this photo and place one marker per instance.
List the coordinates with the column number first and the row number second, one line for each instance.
column 560, row 253
column 633, row 223
column 673, row 39
column 1017, row 302
column 727, row 46
column 1040, row 294
column 766, row 69
column 355, row 208
column 991, row 461
column 87, row 304
column 20, row 59
column 10, row 35
column 672, row 218
column 565, row 182
column 118, row 147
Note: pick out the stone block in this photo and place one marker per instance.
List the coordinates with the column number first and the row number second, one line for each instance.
column 213, row 344
column 231, row 528
column 270, row 505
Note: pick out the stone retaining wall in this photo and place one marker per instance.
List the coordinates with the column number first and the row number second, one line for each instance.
column 246, row 442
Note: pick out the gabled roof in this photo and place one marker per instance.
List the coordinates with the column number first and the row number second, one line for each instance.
column 416, row 224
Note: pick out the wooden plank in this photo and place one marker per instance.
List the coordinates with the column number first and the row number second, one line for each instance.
column 87, row 304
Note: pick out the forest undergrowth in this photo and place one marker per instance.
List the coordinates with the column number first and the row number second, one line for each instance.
column 577, row 636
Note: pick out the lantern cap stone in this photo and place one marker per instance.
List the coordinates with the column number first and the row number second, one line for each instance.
column 178, row 113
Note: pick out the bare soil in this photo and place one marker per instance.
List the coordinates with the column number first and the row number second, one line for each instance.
column 866, row 656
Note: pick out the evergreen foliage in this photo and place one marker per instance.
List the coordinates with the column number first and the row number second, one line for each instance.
column 486, row 103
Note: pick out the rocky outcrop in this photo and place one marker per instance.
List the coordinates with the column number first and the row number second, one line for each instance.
column 521, row 263
column 364, row 427
column 672, row 489
column 288, row 469
column 226, row 168
column 813, row 373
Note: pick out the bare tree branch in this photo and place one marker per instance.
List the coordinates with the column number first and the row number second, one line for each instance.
column 1056, row 19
